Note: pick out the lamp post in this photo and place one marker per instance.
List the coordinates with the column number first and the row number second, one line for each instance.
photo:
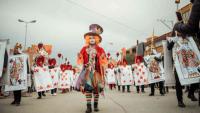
column 26, row 26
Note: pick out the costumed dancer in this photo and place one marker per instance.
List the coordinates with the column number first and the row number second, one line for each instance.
column 179, row 87
column 155, row 71
column 190, row 28
column 110, row 76
column 93, row 57
column 39, row 63
column 15, row 78
column 54, row 72
column 153, row 62
column 42, row 77
column 64, row 80
column 139, row 59
column 117, row 71
column 126, row 76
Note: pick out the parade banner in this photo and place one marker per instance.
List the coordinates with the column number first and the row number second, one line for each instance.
column 110, row 76
column 154, row 68
column 17, row 73
column 2, row 52
column 126, row 75
column 168, row 66
column 140, row 74
column 42, row 79
column 186, row 60
column 55, row 76
column 64, row 81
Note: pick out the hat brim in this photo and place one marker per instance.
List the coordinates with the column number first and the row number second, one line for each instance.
column 93, row 34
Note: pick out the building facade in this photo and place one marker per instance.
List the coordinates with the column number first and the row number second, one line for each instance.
column 156, row 41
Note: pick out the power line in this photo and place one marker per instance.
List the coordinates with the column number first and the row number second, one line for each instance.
column 163, row 21
column 108, row 18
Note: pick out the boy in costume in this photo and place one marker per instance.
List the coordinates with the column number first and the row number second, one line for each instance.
column 16, row 79
column 93, row 58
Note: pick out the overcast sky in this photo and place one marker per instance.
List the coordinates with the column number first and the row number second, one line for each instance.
column 63, row 23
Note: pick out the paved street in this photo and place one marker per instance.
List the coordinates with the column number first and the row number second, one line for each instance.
column 114, row 102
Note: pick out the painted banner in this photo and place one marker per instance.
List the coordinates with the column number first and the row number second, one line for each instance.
column 55, row 76
column 126, row 75
column 186, row 60
column 2, row 52
column 64, row 81
column 110, row 76
column 154, row 68
column 42, row 79
column 17, row 73
column 140, row 74
column 168, row 66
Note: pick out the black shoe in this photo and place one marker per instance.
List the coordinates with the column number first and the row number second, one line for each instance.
column 162, row 94
column 119, row 89
column 192, row 97
column 96, row 109
column 39, row 98
column 89, row 108
column 17, row 104
column 13, row 103
column 43, row 94
column 151, row 94
column 181, row 104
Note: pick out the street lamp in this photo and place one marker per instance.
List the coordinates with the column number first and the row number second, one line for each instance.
column 26, row 25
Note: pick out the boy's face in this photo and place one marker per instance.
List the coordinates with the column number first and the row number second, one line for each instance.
column 92, row 40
